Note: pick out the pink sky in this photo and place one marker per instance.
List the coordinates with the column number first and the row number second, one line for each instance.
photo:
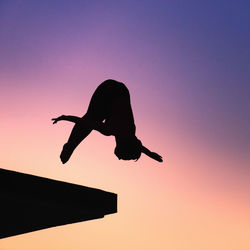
column 187, row 75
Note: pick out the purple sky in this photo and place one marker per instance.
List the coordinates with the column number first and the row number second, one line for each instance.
column 187, row 66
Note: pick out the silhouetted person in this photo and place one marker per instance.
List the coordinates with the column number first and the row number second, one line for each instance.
column 110, row 113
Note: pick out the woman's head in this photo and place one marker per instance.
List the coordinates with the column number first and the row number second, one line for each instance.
column 129, row 149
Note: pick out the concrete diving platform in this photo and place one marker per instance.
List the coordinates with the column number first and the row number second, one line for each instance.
column 30, row 203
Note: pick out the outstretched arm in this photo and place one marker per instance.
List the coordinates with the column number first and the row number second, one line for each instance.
column 98, row 126
column 69, row 118
column 152, row 155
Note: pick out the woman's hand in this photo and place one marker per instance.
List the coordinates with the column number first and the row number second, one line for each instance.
column 60, row 118
column 152, row 155
column 156, row 157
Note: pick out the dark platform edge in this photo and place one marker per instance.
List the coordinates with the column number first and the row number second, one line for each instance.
column 41, row 203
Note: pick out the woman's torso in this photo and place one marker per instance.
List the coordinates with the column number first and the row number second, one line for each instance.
column 111, row 102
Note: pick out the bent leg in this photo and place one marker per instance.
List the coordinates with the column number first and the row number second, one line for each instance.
column 98, row 110
column 79, row 132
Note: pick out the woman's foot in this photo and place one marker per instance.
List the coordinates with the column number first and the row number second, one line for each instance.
column 66, row 153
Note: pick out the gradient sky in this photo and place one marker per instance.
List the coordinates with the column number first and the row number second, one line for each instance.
column 187, row 66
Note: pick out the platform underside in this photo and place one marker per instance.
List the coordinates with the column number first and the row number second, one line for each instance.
column 30, row 203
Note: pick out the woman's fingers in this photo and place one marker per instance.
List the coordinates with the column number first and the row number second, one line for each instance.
column 157, row 157
column 59, row 118
column 55, row 120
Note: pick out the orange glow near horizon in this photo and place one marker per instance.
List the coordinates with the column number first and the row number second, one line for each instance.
column 189, row 84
